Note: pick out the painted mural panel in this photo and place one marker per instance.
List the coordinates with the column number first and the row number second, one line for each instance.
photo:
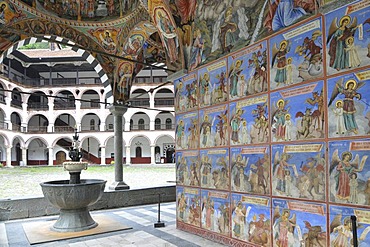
column 216, row 211
column 299, row 170
column 186, row 93
column 348, row 107
column 212, row 84
column 213, row 126
column 187, row 131
column 298, row 113
column 347, row 39
column 226, row 26
column 251, row 219
column 248, row 71
column 250, row 169
column 249, row 121
column 350, row 172
column 341, row 226
column 214, row 168
column 188, row 209
column 88, row 10
column 187, row 168
column 296, row 55
column 297, row 222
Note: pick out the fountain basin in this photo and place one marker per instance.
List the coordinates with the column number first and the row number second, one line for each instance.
column 73, row 166
column 73, row 201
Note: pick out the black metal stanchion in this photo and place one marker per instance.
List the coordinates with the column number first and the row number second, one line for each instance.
column 159, row 223
column 354, row 230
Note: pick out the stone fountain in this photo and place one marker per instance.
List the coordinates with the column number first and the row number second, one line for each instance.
column 74, row 196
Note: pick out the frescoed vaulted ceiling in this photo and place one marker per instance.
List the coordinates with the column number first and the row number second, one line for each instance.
column 183, row 34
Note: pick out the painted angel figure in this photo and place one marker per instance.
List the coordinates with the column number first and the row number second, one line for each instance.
column 221, row 175
column 239, row 164
column 278, row 118
column 349, row 91
column 282, row 172
column 284, row 226
column 235, row 72
column 206, row 171
column 337, row 37
column 344, row 167
column 342, row 231
column 279, row 61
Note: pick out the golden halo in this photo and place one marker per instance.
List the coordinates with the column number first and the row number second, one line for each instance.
column 238, row 62
column 289, row 59
column 287, row 115
column 351, row 81
column 345, row 153
column 283, row 42
column 206, row 74
column 348, row 39
column 338, row 101
column 278, row 102
column 346, row 17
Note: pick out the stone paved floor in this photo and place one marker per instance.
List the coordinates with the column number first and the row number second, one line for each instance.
column 143, row 233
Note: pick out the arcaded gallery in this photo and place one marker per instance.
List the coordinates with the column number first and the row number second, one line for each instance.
column 271, row 99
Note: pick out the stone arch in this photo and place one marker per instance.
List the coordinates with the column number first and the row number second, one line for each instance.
column 21, row 140
column 138, row 135
column 85, row 54
column 59, row 138
column 7, row 141
column 34, row 138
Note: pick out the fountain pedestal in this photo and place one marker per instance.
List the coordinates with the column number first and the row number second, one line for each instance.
column 73, row 197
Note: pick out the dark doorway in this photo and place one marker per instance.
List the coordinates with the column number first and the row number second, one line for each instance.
column 138, row 152
column 170, row 155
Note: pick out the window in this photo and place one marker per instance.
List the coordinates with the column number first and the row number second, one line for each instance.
column 168, row 124
column 92, row 124
column 141, row 124
column 157, row 124
column 131, row 124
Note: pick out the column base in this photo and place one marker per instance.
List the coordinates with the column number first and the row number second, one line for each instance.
column 119, row 186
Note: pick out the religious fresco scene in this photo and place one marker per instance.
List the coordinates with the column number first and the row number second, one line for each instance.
column 296, row 55
column 291, row 121
column 348, row 106
column 347, row 39
column 249, row 121
column 298, row 113
column 272, row 112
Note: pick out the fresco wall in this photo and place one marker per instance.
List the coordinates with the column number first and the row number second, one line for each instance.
column 273, row 138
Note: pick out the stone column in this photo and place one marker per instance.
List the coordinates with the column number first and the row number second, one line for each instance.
column 24, row 156
column 152, row 125
column 51, row 157
column 127, row 125
column 152, row 154
column 128, row 155
column 118, row 111
column 102, row 155
column 9, row 156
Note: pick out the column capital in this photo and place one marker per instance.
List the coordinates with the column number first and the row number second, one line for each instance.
column 8, row 146
column 102, row 146
column 118, row 110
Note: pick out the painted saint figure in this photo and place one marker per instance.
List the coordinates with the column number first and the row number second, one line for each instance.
column 279, row 60
column 337, row 37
